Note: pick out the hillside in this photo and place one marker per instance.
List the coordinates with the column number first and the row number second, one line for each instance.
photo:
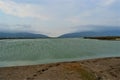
column 4, row 35
column 92, row 33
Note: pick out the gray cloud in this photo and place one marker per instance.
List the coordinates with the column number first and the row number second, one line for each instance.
column 22, row 10
column 15, row 28
column 55, row 17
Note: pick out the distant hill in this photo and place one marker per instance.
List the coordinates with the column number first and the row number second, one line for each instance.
column 21, row 35
column 92, row 34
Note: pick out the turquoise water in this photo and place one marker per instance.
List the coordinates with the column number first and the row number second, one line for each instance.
column 39, row 51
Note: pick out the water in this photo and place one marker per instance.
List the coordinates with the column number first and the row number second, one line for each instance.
column 39, row 51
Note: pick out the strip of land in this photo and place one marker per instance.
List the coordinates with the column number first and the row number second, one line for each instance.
column 95, row 69
column 104, row 38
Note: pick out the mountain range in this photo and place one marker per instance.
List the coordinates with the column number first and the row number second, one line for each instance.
column 98, row 31
column 92, row 33
column 21, row 35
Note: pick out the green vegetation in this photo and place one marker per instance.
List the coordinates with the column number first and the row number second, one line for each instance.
column 84, row 73
column 104, row 38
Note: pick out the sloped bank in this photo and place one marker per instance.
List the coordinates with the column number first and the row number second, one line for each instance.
column 95, row 69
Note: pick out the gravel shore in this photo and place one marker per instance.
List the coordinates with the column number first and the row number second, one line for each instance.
column 94, row 69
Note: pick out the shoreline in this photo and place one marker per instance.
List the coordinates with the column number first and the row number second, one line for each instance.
column 115, row 38
column 91, row 69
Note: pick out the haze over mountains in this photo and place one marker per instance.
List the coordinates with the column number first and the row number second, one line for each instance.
column 91, row 34
column 97, row 31
column 21, row 35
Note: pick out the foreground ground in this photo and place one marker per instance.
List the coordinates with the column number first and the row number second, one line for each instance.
column 97, row 69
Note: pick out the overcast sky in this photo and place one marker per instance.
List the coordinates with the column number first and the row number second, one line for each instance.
column 56, row 17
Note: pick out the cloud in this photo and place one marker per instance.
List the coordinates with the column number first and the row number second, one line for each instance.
column 15, row 28
column 107, row 2
column 55, row 17
column 22, row 10
column 97, row 13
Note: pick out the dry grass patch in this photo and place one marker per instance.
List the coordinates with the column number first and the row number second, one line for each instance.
column 82, row 71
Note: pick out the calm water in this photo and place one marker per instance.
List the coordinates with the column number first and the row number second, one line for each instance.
column 39, row 51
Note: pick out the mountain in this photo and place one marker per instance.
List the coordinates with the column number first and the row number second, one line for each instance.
column 92, row 33
column 21, row 35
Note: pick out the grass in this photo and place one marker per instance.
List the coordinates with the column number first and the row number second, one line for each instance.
column 83, row 72
column 86, row 75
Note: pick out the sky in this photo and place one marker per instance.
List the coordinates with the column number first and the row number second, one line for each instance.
column 57, row 17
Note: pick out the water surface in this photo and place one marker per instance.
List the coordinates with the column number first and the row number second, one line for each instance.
column 39, row 51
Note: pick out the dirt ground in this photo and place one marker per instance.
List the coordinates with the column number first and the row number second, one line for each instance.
column 95, row 69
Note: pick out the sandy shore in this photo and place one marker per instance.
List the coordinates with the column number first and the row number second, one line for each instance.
column 95, row 69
